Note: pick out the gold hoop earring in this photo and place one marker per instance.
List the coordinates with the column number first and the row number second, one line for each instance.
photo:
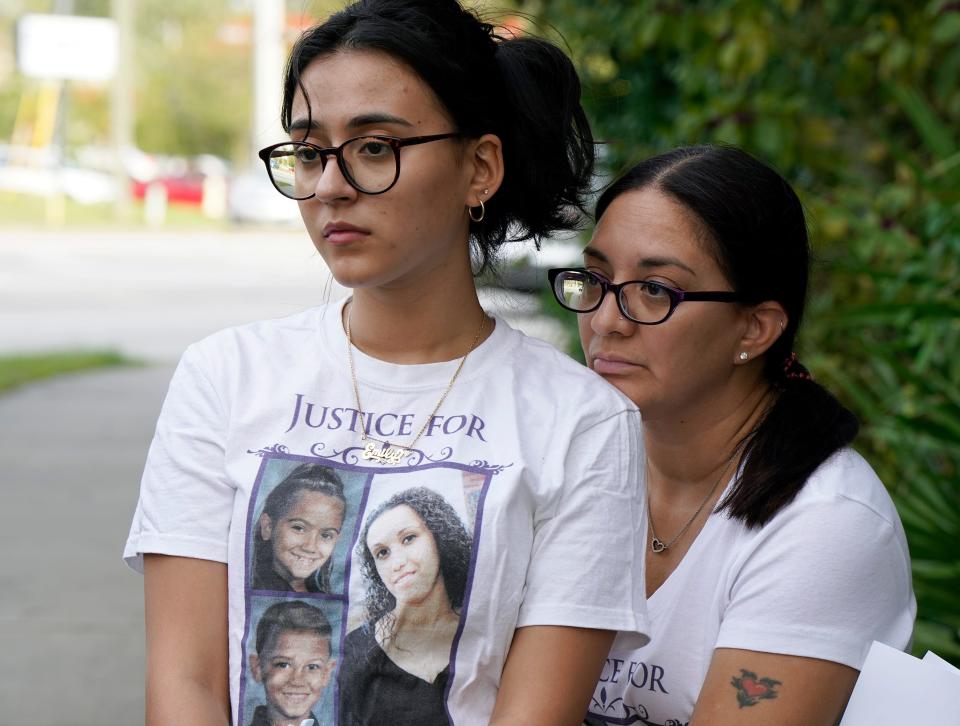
column 483, row 212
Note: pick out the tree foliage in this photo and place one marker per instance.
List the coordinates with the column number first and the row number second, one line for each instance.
column 858, row 105
column 193, row 89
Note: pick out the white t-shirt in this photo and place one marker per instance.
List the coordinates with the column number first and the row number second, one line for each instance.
column 536, row 459
column 828, row 575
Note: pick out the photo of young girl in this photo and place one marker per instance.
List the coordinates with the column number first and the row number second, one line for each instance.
column 293, row 660
column 297, row 529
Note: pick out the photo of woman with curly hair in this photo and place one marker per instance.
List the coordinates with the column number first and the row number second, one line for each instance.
column 297, row 531
column 414, row 552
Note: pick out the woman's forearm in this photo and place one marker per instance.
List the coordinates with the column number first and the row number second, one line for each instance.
column 175, row 701
column 186, row 622
column 533, row 695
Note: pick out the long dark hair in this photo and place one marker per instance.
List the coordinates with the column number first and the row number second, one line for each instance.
column 453, row 547
column 524, row 90
column 756, row 228
column 304, row 478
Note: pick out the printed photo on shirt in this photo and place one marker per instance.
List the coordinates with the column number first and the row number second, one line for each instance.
column 409, row 582
column 291, row 662
column 296, row 534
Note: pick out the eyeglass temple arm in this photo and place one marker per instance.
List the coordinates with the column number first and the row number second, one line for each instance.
column 710, row 296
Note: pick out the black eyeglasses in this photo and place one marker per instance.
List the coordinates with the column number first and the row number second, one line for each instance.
column 642, row 301
column 370, row 164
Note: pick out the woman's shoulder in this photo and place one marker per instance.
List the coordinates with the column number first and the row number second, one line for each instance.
column 847, row 477
column 544, row 368
column 258, row 346
column 269, row 333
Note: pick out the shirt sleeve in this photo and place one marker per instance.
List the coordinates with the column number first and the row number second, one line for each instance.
column 586, row 567
column 824, row 581
column 186, row 499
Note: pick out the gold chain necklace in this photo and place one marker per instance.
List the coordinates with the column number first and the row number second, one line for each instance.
column 656, row 544
column 388, row 452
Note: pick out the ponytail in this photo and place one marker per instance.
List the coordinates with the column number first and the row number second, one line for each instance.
column 805, row 425
column 548, row 145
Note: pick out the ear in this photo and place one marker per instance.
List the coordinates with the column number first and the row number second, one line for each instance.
column 266, row 527
column 255, row 668
column 487, row 164
column 765, row 323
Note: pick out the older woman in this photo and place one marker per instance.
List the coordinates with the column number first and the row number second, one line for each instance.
column 774, row 554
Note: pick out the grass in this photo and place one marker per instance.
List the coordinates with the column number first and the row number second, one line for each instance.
column 17, row 370
column 34, row 211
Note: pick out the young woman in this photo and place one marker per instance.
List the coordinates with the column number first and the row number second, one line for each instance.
column 415, row 555
column 774, row 554
column 297, row 531
column 414, row 131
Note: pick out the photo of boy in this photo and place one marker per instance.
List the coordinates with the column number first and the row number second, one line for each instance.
column 294, row 663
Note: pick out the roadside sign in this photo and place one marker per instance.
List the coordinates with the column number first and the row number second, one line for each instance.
column 67, row 47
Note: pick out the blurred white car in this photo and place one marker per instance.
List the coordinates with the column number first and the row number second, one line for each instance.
column 251, row 199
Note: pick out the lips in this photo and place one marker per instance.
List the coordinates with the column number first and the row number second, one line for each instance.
column 299, row 695
column 612, row 364
column 403, row 577
column 301, row 563
column 342, row 233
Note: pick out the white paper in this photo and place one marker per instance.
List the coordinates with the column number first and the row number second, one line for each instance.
column 934, row 659
column 894, row 688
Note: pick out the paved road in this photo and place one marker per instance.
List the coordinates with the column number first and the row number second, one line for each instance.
column 71, row 450
column 151, row 294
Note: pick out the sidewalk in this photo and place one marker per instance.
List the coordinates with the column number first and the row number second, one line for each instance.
column 71, row 615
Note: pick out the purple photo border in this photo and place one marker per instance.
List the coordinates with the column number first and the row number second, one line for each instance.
column 251, row 505
column 281, row 454
column 269, row 455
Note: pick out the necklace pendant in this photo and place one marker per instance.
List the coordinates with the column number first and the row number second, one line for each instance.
column 385, row 453
column 656, row 545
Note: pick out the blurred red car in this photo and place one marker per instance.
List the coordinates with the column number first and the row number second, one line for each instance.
column 180, row 190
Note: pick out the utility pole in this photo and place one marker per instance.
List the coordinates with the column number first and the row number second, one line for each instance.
column 269, row 20
column 121, row 106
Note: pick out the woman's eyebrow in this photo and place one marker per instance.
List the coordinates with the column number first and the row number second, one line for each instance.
column 305, row 124
column 375, row 117
column 648, row 262
column 359, row 121
column 643, row 263
column 589, row 251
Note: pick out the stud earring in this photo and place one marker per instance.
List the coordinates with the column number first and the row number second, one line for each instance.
column 743, row 355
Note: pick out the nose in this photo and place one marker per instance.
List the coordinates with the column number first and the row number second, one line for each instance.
column 298, row 677
column 308, row 543
column 332, row 185
column 607, row 319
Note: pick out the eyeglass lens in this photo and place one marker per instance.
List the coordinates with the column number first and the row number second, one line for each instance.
column 368, row 163
column 645, row 302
